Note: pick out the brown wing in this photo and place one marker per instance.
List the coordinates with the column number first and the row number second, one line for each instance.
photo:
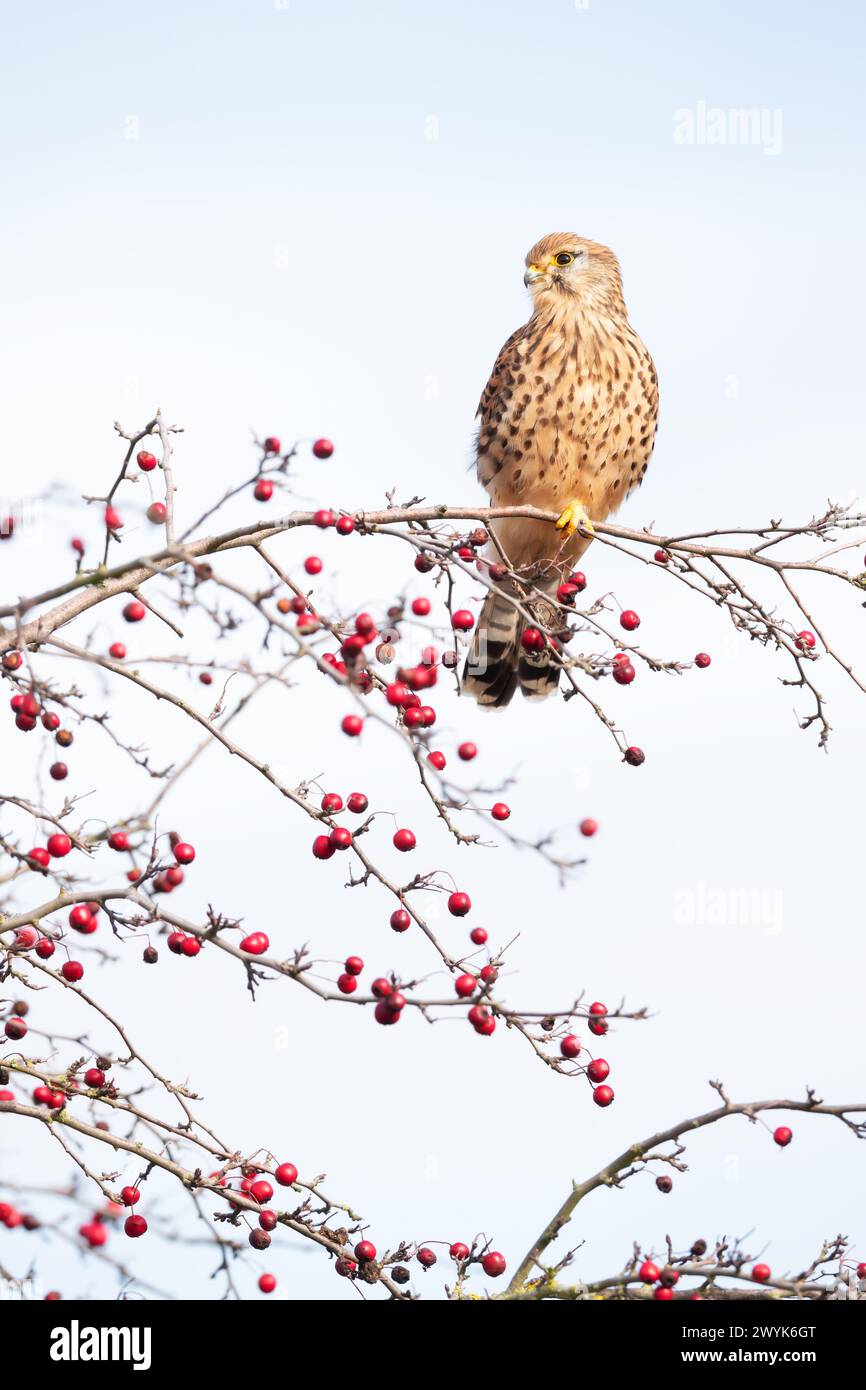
column 491, row 446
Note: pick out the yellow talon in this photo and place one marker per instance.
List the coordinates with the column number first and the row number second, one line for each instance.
column 574, row 518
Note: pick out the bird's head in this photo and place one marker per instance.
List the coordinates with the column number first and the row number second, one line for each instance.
column 563, row 268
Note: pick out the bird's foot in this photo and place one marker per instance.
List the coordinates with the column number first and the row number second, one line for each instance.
column 575, row 518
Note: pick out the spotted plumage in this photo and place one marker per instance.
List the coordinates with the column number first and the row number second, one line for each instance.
column 567, row 423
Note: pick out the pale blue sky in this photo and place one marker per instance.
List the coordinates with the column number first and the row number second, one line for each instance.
column 236, row 211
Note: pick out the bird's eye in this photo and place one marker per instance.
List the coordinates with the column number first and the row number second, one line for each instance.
column 564, row 258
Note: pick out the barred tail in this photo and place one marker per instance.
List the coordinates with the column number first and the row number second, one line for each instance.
column 497, row 662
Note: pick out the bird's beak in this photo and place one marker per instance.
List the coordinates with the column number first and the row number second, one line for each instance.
column 532, row 273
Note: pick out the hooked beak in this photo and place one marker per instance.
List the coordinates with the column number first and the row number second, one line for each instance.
column 532, row 273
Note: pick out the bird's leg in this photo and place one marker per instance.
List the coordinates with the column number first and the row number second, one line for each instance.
column 575, row 517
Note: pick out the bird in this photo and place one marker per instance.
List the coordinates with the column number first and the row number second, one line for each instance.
column 567, row 424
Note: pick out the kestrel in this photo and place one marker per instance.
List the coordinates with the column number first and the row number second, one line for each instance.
column 567, row 424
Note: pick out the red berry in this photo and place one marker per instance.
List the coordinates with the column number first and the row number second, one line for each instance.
column 381, row 987
column 272, row 444
column 570, row 1046
column 94, row 1076
column 146, row 461
column 345, row 525
column 663, row 1294
column 459, row 1251
column 426, row 1257
column 404, row 840
column 113, row 519
column 598, row 1070
column 421, row 607
column 357, row 803
column 340, row 837
column 50, row 721
column 267, row 1282
column 323, row 518
column 129, row 1196
column 664, row 1183
column 261, row 1190
column 263, row 490
column 459, row 904
column 15, row 1028
column 156, row 513
column 624, row 673
column 384, row 1014
column 578, row 579
column 466, row 752
column 589, row 826
column 437, row 760
column 45, row 948
column 783, row 1136
column 493, row 1264
column 462, row 620
column 806, row 640
column 603, row 1096
column 500, row 811
column 135, row 1226
column 118, row 840
column 353, row 965
column 400, row 919
column 117, row 651
column 255, row 944
column 58, row 845
column 322, row 448
column 649, row 1272
column 465, row 985
column 40, row 856
column 190, row 946
column 286, row 1174
column 478, row 935
column 365, row 1251
column 634, row 756
column 134, row 611
column 352, row 725
column 58, row 772
column 322, row 847
column 347, row 984
column 566, row 593
column 761, row 1272
column 532, row 640
column 629, row 619
column 702, row 660
column 313, row 564
column 662, row 557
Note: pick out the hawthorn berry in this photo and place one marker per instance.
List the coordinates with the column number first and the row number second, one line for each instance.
column 262, row 1191
column 45, row 948
column 323, row 518
column 783, row 1136
column 150, row 955
column 267, row 1283
column 322, row 847
column 588, row 826
column 532, row 640
column 331, row 803
column 365, row 1251
column 462, row 620
column 347, row 984
column 357, row 803
column 570, row 1046
column 421, row 607
column 72, row 970
column 263, row 490
column 623, row 673
column 400, row 920
column 493, row 1264
column 598, row 1070
column 702, row 660
column 268, row 1220
column 478, row 936
column 404, row 840
column 134, row 612
column 426, row 1257
column 156, row 513
column 761, row 1272
column 313, row 565
column 352, row 724
column 634, row 756
column 459, row 904
column 15, row 1028
column 345, row 525
column 603, row 1096
column 437, row 760
column 662, row 557
column 805, row 640
column 381, row 987
column 578, row 579
column 340, row 837
column 466, row 752
column 629, row 620
column 663, row 1294
column 649, row 1272
column 129, row 1196
column 118, row 840
column 255, row 944
column 500, row 811
column 286, row 1174
column 259, row 1239
column 322, row 448
column 385, row 1014
column 50, row 721
column 113, row 519
column 459, row 1251
column 58, row 772
column 272, row 444
column 58, row 845
column 117, row 651
column 184, row 853
column 465, row 985
column 145, row 460
column 664, row 1183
